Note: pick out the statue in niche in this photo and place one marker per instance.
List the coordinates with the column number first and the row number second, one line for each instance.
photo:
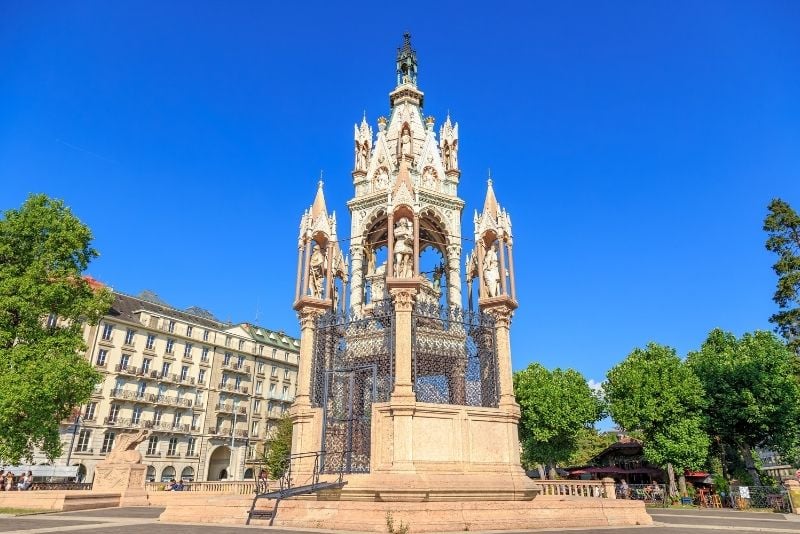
column 450, row 156
column 405, row 143
column 381, row 179
column 362, row 152
column 491, row 273
column 403, row 248
column 371, row 260
column 428, row 178
column 438, row 272
column 316, row 272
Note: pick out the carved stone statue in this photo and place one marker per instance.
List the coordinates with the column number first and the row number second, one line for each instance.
column 381, row 179
column 450, row 156
column 491, row 273
column 403, row 248
column 361, row 156
column 125, row 448
column 316, row 272
column 428, row 178
column 405, row 143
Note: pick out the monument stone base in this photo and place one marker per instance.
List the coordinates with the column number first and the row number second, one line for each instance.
column 123, row 478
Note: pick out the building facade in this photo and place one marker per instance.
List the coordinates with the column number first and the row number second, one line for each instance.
column 211, row 393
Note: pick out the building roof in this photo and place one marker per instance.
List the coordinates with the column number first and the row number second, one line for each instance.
column 125, row 308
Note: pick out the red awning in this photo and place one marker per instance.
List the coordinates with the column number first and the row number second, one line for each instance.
column 696, row 474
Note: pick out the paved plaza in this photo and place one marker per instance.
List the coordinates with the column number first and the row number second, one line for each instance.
column 145, row 521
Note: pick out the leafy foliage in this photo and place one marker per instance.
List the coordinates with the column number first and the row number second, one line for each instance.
column 556, row 407
column 783, row 227
column 589, row 443
column 44, row 249
column 754, row 396
column 279, row 448
column 654, row 392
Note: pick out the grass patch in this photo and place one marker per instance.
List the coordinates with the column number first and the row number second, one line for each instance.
column 18, row 511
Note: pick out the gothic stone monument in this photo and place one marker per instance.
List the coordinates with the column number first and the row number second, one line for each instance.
column 401, row 387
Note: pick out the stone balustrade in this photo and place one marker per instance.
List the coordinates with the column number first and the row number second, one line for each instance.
column 579, row 488
column 238, row 487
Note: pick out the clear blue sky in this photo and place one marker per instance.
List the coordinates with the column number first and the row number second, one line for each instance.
column 636, row 145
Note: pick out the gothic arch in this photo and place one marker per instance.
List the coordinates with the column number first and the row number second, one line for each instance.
column 434, row 229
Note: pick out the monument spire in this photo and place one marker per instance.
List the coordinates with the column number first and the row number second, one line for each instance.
column 406, row 62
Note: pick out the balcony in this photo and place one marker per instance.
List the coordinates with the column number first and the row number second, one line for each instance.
column 187, row 358
column 223, row 408
column 166, row 400
column 241, row 433
column 126, row 369
column 101, row 365
column 169, row 355
column 83, row 451
column 204, row 360
column 236, row 367
column 232, row 387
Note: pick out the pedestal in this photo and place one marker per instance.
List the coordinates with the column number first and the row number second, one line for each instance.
column 126, row 479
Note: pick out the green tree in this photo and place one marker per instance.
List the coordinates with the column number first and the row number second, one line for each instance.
column 556, row 406
column 590, row 443
column 753, row 394
column 44, row 249
column 783, row 227
column 279, row 448
column 652, row 391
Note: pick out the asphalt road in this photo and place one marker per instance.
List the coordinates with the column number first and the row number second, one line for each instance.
column 145, row 521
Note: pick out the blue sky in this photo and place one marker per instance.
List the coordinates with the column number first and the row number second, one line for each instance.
column 635, row 144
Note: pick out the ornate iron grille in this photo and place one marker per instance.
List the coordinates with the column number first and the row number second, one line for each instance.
column 352, row 367
column 454, row 356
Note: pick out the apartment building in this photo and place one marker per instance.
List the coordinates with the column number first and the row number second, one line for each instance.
column 210, row 393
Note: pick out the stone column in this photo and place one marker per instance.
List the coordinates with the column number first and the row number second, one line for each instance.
column 502, row 312
column 357, row 276
column 307, row 254
column 402, row 400
column 511, row 267
column 390, row 246
column 481, row 254
column 299, row 272
column 328, row 272
column 306, row 421
column 417, row 251
column 454, row 275
column 608, row 487
column 502, row 253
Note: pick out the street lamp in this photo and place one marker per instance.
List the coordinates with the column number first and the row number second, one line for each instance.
column 75, row 426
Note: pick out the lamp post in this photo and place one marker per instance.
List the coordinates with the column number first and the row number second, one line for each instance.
column 75, row 426
column 233, row 431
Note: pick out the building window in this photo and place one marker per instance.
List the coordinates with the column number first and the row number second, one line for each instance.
column 184, row 372
column 261, row 368
column 272, row 390
column 165, row 369
column 108, row 330
column 52, row 320
column 101, row 357
column 157, row 416
column 141, row 389
column 256, row 406
column 259, row 385
column 205, row 335
column 124, row 360
column 152, row 445
column 204, row 356
column 226, row 360
column 108, row 442
column 224, row 379
column 261, row 350
column 286, row 356
column 137, row 415
column 241, row 344
column 189, row 331
column 227, row 341
column 285, row 393
column 238, row 382
column 88, row 413
column 285, row 373
column 254, row 428
column 146, row 364
column 201, row 376
column 274, row 371
column 187, row 351
column 172, row 448
column 176, row 422
column 274, row 353
column 190, row 447
column 113, row 413
column 130, row 334
column 240, row 361
column 170, row 343
column 151, row 342
column 171, row 327
column 84, row 438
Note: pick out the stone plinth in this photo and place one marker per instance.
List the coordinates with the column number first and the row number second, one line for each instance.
column 124, row 478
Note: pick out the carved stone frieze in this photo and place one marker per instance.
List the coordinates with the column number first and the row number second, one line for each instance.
column 403, row 298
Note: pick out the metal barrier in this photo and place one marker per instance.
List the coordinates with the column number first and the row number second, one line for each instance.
column 655, row 494
column 774, row 498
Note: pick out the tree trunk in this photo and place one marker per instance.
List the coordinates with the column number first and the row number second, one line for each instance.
column 552, row 475
column 540, row 468
column 682, row 486
column 671, row 489
column 749, row 463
